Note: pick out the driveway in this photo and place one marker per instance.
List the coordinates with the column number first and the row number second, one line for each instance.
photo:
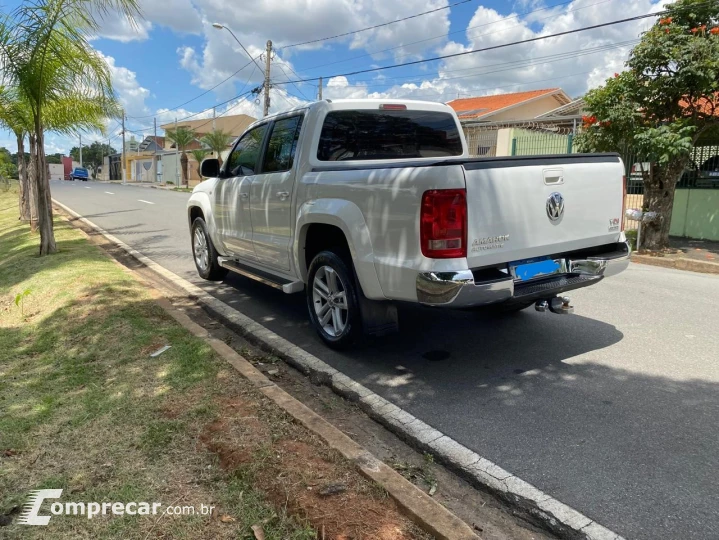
column 614, row 410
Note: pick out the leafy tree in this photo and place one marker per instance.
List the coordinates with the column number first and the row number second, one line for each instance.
column 92, row 155
column 665, row 101
column 53, row 70
column 217, row 141
column 55, row 159
column 198, row 155
column 182, row 138
column 7, row 168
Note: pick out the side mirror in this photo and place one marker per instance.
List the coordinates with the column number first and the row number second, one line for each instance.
column 210, row 168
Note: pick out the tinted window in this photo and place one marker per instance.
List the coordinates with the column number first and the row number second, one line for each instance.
column 243, row 159
column 388, row 135
column 283, row 144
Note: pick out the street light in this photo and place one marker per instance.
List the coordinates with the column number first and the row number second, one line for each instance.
column 221, row 27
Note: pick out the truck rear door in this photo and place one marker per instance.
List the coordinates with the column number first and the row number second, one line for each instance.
column 525, row 208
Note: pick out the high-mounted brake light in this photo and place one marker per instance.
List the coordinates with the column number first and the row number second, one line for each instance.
column 443, row 223
column 392, row 107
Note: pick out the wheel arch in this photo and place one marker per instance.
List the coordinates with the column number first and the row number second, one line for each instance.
column 321, row 224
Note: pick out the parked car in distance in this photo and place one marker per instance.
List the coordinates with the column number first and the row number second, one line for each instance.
column 79, row 173
column 363, row 204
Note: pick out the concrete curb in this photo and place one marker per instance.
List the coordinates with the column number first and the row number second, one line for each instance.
column 526, row 499
column 420, row 507
column 679, row 263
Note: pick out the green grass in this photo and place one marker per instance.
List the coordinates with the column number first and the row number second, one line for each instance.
column 83, row 407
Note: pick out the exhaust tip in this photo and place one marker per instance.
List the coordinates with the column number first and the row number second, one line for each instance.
column 541, row 306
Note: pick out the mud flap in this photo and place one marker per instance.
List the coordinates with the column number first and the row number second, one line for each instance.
column 378, row 318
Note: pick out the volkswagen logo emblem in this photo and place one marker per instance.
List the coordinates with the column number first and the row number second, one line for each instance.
column 555, row 206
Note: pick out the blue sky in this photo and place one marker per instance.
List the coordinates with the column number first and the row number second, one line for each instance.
column 174, row 53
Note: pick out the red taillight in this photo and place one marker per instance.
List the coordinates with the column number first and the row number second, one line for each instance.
column 443, row 223
column 392, row 107
column 624, row 199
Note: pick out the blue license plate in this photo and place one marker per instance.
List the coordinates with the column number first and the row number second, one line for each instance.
column 524, row 271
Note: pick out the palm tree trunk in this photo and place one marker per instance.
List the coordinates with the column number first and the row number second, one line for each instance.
column 44, row 205
column 32, row 183
column 22, row 176
column 183, row 162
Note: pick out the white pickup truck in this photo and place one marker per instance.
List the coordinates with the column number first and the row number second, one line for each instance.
column 367, row 203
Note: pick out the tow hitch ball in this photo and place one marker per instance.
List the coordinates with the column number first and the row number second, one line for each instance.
column 559, row 305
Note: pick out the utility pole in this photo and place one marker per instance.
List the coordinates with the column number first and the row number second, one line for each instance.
column 102, row 154
column 177, row 159
column 214, row 115
column 124, row 171
column 268, row 59
column 320, row 90
column 80, row 149
column 154, row 161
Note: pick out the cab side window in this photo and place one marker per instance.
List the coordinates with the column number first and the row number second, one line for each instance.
column 282, row 145
column 242, row 161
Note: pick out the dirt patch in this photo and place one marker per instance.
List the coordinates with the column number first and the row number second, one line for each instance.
column 300, row 474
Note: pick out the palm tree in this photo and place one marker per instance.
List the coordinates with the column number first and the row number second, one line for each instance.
column 47, row 59
column 182, row 137
column 14, row 116
column 216, row 141
column 198, row 155
column 68, row 116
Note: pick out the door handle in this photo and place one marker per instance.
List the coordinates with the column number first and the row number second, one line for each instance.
column 283, row 195
column 244, row 195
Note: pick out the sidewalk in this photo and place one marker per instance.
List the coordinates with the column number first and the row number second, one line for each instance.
column 688, row 254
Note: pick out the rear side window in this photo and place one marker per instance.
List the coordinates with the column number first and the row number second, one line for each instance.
column 281, row 149
column 364, row 135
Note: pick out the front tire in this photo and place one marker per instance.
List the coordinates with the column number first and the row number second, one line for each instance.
column 204, row 253
column 333, row 301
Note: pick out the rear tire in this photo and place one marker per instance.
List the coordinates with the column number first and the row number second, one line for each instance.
column 204, row 253
column 333, row 300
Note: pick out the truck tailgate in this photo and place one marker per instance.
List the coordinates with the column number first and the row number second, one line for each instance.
column 522, row 208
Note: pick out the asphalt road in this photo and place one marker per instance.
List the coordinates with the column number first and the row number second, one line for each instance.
column 613, row 410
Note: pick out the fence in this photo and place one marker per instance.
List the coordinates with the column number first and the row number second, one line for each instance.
column 542, row 144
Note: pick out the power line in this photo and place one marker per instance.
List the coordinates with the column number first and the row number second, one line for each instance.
column 223, row 103
column 296, row 87
column 244, row 98
column 507, row 66
column 484, row 49
column 457, row 32
column 206, row 91
column 375, row 26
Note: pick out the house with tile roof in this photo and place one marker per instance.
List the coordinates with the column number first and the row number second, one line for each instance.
column 492, row 123
column 518, row 106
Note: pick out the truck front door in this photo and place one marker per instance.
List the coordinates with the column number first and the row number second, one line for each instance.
column 232, row 196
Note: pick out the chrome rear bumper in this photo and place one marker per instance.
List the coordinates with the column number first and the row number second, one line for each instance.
column 461, row 289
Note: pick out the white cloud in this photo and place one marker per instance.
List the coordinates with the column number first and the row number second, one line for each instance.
column 541, row 64
column 178, row 15
column 130, row 93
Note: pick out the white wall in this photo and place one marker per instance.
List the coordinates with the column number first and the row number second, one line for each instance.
column 57, row 171
column 170, row 169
